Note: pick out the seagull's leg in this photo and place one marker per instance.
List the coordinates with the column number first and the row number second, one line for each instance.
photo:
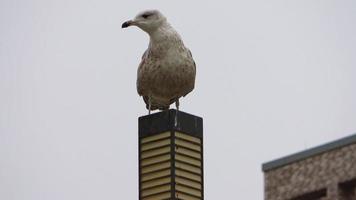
column 176, row 116
column 149, row 105
column 177, row 104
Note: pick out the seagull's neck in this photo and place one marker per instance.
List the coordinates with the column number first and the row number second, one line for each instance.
column 165, row 33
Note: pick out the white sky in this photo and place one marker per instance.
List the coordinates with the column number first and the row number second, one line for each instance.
column 273, row 78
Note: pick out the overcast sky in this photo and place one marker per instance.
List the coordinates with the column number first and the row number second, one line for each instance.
column 273, row 78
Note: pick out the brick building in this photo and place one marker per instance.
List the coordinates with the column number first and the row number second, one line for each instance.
column 326, row 172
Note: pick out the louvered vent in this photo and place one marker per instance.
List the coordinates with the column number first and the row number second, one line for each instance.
column 155, row 167
column 188, row 165
column 171, row 156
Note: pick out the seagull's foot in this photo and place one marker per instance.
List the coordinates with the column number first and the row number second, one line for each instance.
column 177, row 104
column 149, row 105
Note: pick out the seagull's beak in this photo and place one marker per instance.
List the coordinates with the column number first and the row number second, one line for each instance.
column 127, row 24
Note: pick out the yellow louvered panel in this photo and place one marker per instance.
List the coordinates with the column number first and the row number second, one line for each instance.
column 189, row 160
column 154, row 175
column 156, row 164
column 155, row 167
column 156, row 190
column 187, row 137
column 190, row 183
column 155, row 137
column 187, row 190
column 180, row 195
column 156, row 182
column 157, row 159
column 155, row 144
column 155, row 152
column 188, row 175
column 188, row 145
column 188, row 152
column 161, row 196
column 189, row 168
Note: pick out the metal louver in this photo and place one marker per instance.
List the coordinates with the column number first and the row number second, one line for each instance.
column 171, row 161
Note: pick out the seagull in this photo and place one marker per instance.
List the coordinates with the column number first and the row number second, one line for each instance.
column 167, row 69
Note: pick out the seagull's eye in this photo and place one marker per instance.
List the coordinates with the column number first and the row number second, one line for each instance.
column 146, row 15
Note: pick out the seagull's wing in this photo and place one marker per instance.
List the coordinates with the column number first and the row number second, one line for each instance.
column 191, row 57
column 194, row 68
column 139, row 84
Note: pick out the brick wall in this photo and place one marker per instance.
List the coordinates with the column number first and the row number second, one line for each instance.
column 327, row 176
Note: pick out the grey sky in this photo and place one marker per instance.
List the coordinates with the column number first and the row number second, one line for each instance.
column 273, row 78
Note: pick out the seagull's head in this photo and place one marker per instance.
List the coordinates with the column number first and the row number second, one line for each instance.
column 148, row 21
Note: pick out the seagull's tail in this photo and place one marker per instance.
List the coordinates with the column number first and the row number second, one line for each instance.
column 154, row 106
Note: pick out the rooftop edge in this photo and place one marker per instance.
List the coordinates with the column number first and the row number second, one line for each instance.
column 348, row 140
